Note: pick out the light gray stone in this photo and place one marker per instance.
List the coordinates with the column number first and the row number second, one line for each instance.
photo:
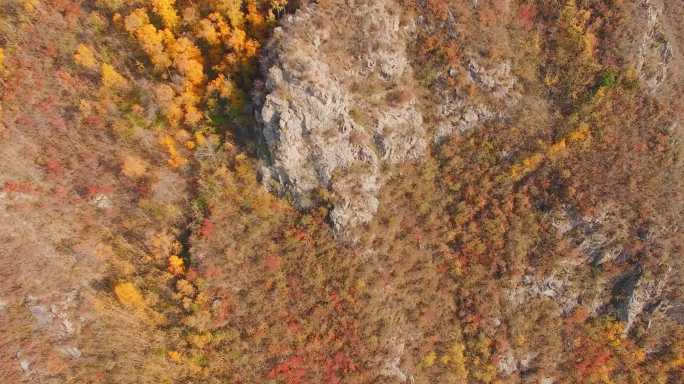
column 319, row 134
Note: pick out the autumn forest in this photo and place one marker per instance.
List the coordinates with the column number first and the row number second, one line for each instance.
column 341, row 191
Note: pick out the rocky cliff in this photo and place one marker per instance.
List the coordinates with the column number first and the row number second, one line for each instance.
column 338, row 105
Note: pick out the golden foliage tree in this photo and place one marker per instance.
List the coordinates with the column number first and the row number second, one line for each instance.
column 233, row 30
column 85, row 57
column 129, row 295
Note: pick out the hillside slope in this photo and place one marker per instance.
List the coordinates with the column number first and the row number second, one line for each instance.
column 341, row 191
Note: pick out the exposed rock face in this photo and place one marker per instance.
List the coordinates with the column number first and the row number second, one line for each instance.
column 637, row 291
column 655, row 51
column 324, row 130
column 340, row 103
column 628, row 295
column 462, row 114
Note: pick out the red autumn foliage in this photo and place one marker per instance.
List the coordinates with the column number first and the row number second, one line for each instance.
column 526, row 16
column 70, row 9
column 578, row 316
column 95, row 121
column 93, row 190
column 294, row 327
column 191, row 274
column 273, row 262
column 290, row 370
column 337, row 365
column 299, row 235
column 207, row 228
column 19, row 187
column 440, row 8
column 336, row 301
column 54, row 167
column 593, row 363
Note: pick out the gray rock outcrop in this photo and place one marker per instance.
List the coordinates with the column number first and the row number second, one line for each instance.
column 636, row 291
column 341, row 103
column 324, row 130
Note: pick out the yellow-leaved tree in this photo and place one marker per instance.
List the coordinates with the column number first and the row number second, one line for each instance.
column 111, row 79
column 166, row 11
column 231, row 29
column 129, row 295
column 205, row 57
column 85, row 57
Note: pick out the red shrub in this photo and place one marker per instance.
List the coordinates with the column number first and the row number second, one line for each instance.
column 592, row 364
column 440, row 8
column 526, row 15
column 19, row 187
column 273, row 262
column 339, row 364
column 290, row 370
column 54, row 167
column 207, row 228
column 99, row 189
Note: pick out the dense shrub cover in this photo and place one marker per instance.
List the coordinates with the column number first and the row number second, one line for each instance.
column 140, row 246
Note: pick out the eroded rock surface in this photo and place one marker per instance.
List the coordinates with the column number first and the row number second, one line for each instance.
column 334, row 112
column 341, row 103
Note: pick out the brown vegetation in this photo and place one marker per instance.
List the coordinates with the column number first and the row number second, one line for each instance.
column 138, row 245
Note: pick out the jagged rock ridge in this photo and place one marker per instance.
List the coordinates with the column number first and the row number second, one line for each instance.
column 325, row 130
